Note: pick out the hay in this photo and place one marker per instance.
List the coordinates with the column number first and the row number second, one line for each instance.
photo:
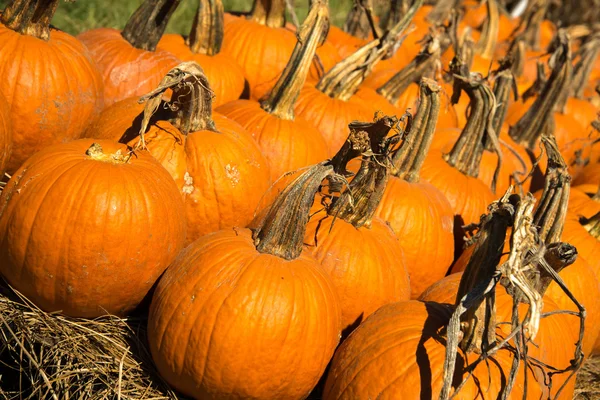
column 588, row 380
column 49, row 356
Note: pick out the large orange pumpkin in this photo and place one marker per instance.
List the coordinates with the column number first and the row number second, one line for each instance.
column 128, row 61
column 203, row 46
column 418, row 213
column 218, row 168
column 87, row 228
column 288, row 141
column 52, row 86
column 360, row 253
column 244, row 314
column 5, row 134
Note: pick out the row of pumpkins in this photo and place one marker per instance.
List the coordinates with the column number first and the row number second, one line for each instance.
column 283, row 224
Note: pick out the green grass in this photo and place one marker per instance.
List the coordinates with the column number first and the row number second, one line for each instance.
column 81, row 15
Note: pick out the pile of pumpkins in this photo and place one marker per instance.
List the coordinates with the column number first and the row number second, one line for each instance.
column 306, row 203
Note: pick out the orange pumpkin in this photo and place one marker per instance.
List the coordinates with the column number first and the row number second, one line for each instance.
column 248, row 314
column 5, row 134
column 288, row 141
column 51, row 85
column 203, row 46
column 129, row 63
column 106, row 255
column 218, row 168
column 418, row 213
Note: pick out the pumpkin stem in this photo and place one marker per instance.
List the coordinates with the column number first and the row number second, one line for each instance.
column 360, row 20
column 30, row 17
column 529, row 128
column 478, row 132
column 343, row 80
column 190, row 103
column 410, row 156
column 280, row 101
column 515, row 57
column 398, row 8
column 531, row 23
column 596, row 196
column 96, row 153
column 206, row 35
column 504, row 85
column 423, row 65
column 489, row 33
column 538, row 85
column 442, row 10
column 592, row 225
column 281, row 231
column 358, row 203
column 270, row 13
column 552, row 209
column 147, row 24
column 558, row 256
column 588, row 53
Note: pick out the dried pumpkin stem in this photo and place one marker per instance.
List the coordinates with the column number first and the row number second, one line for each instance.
column 147, row 24
column 360, row 20
column 529, row 128
column 515, row 57
column 489, row 34
column 423, row 65
column 503, row 87
column 358, row 203
column 311, row 34
column 343, row 80
column 206, row 35
column 410, row 156
column 531, row 23
column 95, row 152
column 596, row 196
column 592, row 225
column 270, row 13
column 30, row 17
column 552, row 210
column 588, row 53
column 397, row 9
column 190, row 104
column 442, row 10
column 558, row 256
column 538, row 85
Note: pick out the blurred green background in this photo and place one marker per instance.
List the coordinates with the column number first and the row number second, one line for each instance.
column 81, row 15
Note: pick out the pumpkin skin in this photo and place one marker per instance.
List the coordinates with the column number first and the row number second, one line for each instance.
column 345, row 43
column 553, row 329
column 588, row 174
column 423, row 220
column 229, row 322
column 581, row 201
column 226, row 78
column 262, row 52
column 53, row 90
column 125, row 70
column 396, row 350
column 222, row 176
column 287, row 145
column 365, row 265
column 121, row 224
column 331, row 116
column 5, row 134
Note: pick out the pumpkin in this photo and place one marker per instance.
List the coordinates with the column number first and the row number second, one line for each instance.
column 203, row 45
column 333, row 103
column 129, row 62
column 360, row 253
column 288, row 142
column 243, row 314
column 403, row 346
column 121, row 224
column 51, row 85
column 260, row 44
column 5, row 134
column 218, row 168
column 417, row 212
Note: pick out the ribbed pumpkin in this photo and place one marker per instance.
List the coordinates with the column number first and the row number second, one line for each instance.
column 261, row 44
column 87, row 228
column 333, row 103
column 288, row 141
column 249, row 315
column 361, row 254
column 5, row 134
column 402, row 346
column 218, row 168
column 48, row 79
column 203, row 46
column 418, row 213
column 129, row 63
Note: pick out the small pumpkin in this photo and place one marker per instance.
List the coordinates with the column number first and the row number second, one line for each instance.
column 248, row 314
column 129, row 62
column 48, row 79
column 121, row 224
